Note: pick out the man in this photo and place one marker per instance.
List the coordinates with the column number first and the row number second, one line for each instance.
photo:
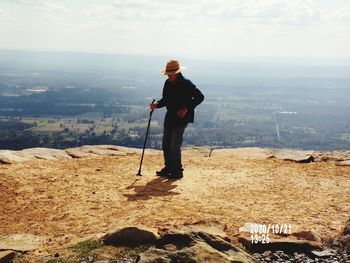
column 180, row 97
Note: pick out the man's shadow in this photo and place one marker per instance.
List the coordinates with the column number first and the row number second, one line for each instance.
column 157, row 187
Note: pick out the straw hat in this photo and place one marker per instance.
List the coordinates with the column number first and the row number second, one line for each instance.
column 172, row 67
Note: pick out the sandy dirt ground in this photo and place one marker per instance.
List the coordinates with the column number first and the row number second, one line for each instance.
column 66, row 201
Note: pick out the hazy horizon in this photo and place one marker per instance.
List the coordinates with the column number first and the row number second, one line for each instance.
column 322, row 61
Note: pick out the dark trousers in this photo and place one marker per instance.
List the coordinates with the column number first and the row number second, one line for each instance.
column 172, row 141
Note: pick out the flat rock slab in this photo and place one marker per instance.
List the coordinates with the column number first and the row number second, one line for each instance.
column 105, row 150
column 244, row 153
column 286, row 245
column 21, row 242
column 7, row 256
column 94, row 150
column 344, row 163
column 47, row 153
column 293, row 155
column 9, row 157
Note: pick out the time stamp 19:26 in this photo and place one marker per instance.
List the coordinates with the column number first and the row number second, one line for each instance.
column 260, row 232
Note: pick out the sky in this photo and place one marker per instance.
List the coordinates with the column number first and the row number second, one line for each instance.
column 191, row 28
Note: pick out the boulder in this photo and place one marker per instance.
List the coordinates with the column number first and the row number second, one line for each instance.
column 21, row 242
column 293, row 155
column 7, row 256
column 192, row 245
column 130, row 236
column 286, row 245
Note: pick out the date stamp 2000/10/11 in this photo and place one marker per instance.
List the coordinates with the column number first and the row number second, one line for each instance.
column 260, row 232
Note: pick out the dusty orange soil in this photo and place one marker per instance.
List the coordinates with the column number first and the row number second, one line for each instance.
column 69, row 200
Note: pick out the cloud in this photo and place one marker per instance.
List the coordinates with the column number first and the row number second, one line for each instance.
column 6, row 19
column 186, row 25
column 341, row 15
column 248, row 11
column 43, row 5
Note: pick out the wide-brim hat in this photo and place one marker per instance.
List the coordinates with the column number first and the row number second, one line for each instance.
column 172, row 67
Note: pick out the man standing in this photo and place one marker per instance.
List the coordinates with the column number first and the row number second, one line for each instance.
column 180, row 97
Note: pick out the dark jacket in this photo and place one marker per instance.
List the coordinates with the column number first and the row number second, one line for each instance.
column 176, row 95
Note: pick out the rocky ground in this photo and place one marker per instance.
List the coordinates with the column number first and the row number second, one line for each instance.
column 66, row 201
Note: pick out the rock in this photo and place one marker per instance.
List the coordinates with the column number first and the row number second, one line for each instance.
column 94, row 150
column 9, row 157
column 286, row 245
column 308, row 235
column 212, row 227
column 131, row 237
column 105, row 150
column 191, row 245
column 7, row 256
column 343, row 239
column 244, row 153
column 293, row 155
column 79, row 153
column 46, row 153
column 20, row 242
column 322, row 254
column 332, row 156
column 346, row 229
column 267, row 253
column 344, row 163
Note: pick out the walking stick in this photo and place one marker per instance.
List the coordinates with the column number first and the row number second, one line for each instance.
column 144, row 144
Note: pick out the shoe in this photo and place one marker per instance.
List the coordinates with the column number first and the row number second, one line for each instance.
column 175, row 175
column 164, row 172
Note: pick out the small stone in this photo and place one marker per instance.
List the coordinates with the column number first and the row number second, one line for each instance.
column 267, row 253
column 169, row 247
column 275, row 256
column 56, row 255
column 322, row 254
column 284, row 256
